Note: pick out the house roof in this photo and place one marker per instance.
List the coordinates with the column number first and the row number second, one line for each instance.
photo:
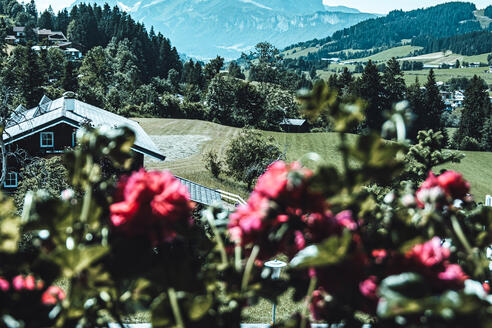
column 201, row 194
column 25, row 122
column 293, row 121
column 19, row 29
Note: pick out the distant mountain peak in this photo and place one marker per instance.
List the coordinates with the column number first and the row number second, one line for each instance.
column 342, row 9
column 206, row 28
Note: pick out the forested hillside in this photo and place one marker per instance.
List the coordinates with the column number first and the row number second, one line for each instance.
column 474, row 43
column 441, row 21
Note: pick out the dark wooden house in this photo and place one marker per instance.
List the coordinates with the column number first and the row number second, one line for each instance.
column 51, row 127
column 294, row 125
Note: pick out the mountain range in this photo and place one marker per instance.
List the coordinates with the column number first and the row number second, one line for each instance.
column 206, row 28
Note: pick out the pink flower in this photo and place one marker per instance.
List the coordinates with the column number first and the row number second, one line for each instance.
column 274, row 181
column 18, row 282
column 317, row 304
column 4, row 285
column 151, row 204
column 430, row 253
column 431, row 260
column 369, row 288
column 29, row 283
column 453, row 184
column 345, row 219
column 53, row 295
column 453, row 275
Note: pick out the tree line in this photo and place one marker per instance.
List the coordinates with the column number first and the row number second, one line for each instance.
column 469, row 44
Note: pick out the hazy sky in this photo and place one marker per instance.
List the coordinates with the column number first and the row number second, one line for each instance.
column 372, row 6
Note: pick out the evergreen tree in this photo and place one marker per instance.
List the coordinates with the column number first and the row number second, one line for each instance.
column 345, row 78
column 312, row 73
column 69, row 80
column 213, row 67
column 235, row 71
column 486, row 142
column 371, row 90
column 46, row 20
column 476, row 110
column 415, row 97
column 434, row 105
column 393, row 83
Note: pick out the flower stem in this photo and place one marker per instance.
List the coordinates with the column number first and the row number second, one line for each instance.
column 305, row 314
column 461, row 236
column 249, row 267
column 237, row 258
column 220, row 242
column 175, row 307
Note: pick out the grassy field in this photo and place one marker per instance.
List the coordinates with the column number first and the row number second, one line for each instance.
column 447, row 74
column 475, row 167
column 386, row 55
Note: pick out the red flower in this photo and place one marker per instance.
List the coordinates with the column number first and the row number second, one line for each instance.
column 52, row 295
column 429, row 192
column 443, row 189
column 486, row 287
column 151, row 204
column 4, row 285
column 29, row 283
column 453, row 184
column 379, row 255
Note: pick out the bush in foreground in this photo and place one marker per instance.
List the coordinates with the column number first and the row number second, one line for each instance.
column 364, row 244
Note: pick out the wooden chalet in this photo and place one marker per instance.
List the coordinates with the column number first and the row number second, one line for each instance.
column 50, row 128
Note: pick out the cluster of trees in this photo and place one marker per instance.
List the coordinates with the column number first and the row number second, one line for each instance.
column 412, row 65
column 488, row 11
column 469, row 44
column 382, row 91
column 475, row 128
column 132, row 72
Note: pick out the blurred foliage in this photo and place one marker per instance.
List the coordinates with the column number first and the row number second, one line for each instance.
column 361, row 242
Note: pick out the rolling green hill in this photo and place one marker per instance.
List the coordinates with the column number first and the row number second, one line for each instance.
column 475, row 167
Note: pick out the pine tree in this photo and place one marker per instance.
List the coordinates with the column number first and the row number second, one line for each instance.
column 415, row 97
column 476, row 109
column 28, row 74
column 371, row 90
column 235, row 71
column 69, row 80
column 393, row 83
column 434, row 105
column 345, row 78
column 486, row 142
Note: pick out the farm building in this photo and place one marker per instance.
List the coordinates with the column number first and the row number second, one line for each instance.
column 294, row 125
column 50, row 128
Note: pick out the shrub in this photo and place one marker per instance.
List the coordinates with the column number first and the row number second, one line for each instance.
column 469, row 143
column 249, row 154
column 212, row 163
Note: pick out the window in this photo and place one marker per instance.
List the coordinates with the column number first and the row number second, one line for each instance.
column 10, row 180
column 47, row 139
column 74, row 138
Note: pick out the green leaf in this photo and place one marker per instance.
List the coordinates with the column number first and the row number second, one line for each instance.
column 76, row 260
column 199, row 306
column 331, row 251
